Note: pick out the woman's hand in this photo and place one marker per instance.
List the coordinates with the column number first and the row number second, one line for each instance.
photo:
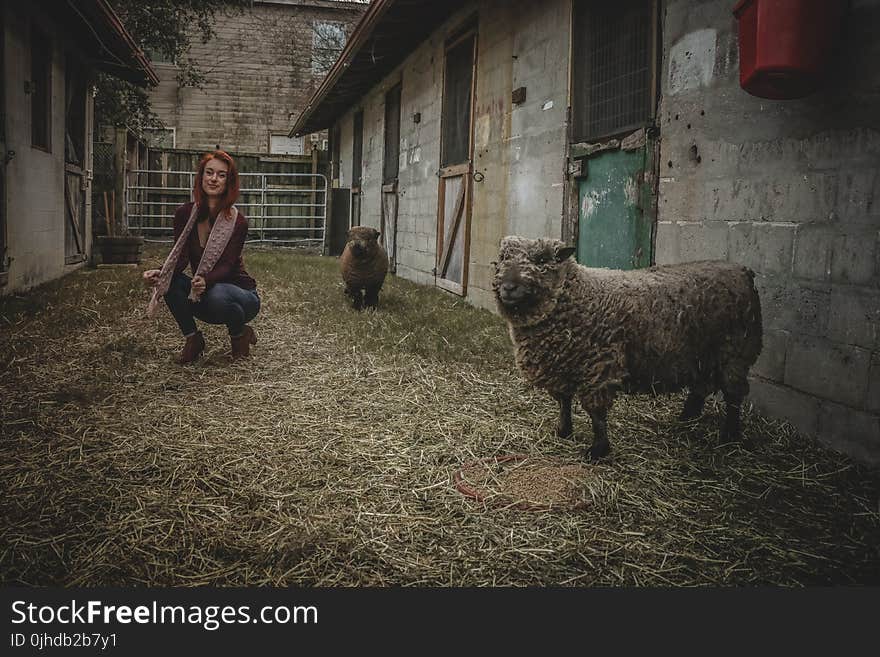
column 151, row 277
column 198, row 285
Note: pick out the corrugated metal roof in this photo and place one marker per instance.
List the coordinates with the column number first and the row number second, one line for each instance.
column 388, row 31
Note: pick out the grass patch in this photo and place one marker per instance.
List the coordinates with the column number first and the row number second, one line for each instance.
column 329, row 458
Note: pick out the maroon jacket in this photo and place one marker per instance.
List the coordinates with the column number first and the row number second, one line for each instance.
column 230, row 266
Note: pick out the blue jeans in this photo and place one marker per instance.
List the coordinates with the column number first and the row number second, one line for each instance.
column 222, row 303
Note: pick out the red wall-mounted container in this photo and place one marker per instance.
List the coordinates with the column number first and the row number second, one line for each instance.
column 785, row 46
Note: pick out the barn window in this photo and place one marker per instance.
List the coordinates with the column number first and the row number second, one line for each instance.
column 613, row 67
column 75, row 114
column 456, row 121
column 280, row 143
column 391, row 163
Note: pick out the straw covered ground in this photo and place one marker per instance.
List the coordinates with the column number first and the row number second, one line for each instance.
column 331, row 457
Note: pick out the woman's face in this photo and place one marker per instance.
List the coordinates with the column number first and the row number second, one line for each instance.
column 214, row 177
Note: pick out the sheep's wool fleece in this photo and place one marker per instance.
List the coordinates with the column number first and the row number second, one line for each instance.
column 367, row 269
column 592, row 331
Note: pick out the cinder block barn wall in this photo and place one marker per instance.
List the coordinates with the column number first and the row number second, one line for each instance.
column 421, row 76
column 35, row 212
column 519, row 149
column 790, row 189
column 260, row 72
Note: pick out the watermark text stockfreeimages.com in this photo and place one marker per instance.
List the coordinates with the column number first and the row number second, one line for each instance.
column 210, row 617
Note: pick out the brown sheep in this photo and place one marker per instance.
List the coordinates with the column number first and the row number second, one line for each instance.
column 364, row 264
column 590, row 333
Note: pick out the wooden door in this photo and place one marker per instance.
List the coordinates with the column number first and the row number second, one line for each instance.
column 389, row 223
column 615, row 224
column 74, row 213
column 357, row 154
column 75, row 158
column 340, row 219
column 456, row 155
column 390, row 173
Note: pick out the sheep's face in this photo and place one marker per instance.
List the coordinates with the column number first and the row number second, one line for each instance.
column 528, row 277
column 362, row 239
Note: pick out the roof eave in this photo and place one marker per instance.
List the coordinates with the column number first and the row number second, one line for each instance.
column 143, row 72
column 361, row 32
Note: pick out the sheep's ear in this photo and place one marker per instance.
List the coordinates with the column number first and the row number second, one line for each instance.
column 564, row 252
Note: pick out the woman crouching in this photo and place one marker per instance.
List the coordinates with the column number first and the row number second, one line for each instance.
column 209, row 235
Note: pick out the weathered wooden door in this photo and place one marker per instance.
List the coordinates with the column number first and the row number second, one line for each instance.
column 340, row 218
column 75, row 178
column 614, row 209
column 357, row 154
column 614, row 166
column 456, row 154
column 74, row 212
column 390, row 172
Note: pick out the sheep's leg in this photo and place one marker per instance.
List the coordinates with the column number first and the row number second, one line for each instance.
column 735, row 390
column 693, row 405
column 564, row 427
column 600, row 447
column 355, row 296
column 731, row 431
column 371, row 297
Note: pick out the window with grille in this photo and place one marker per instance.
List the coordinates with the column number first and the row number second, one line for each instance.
column 391, row 164
column 456, row 119
column 41, row 97
column 614, row 53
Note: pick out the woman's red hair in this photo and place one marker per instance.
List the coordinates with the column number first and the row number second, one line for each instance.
column 230, row 194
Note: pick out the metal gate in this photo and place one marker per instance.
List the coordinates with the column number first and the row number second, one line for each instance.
column 284, row 209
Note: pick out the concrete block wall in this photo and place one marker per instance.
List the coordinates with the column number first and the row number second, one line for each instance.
column 421, row 76
column 35, row 211
column 519, row 149
column 789, row 189
column 260, row 76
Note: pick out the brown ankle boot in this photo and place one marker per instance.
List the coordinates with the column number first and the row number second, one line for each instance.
column 241, row 346
column 195, row 345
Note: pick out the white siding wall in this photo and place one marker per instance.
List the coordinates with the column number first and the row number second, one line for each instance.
column 34, row 178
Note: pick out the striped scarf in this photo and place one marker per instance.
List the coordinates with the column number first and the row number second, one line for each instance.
column 217, row 241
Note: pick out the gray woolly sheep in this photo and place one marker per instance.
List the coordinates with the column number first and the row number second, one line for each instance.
column 364, row 264
column 589, row 333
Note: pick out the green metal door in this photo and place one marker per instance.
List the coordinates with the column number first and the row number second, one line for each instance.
column 614, row 217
